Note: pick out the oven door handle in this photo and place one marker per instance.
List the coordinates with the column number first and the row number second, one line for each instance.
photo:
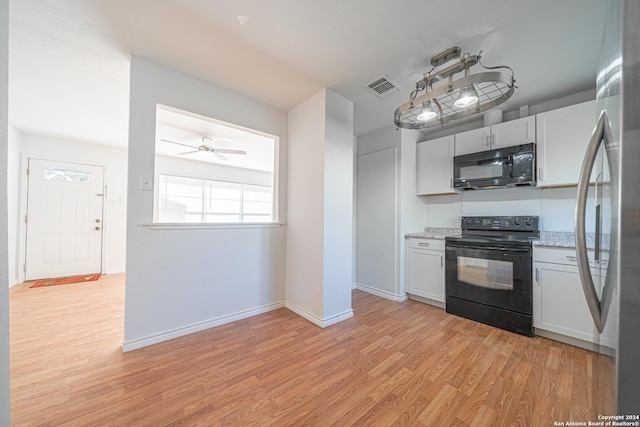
column 454, row 246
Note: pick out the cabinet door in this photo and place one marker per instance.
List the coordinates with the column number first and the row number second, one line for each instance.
column 563, row 136
column 426, row 274
column 559, row 304
column 435, row 166
column 472, row 141
column 515, row 132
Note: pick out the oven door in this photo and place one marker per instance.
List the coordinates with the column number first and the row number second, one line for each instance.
column 490, row 273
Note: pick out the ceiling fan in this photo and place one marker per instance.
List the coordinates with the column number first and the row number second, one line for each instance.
column 207, row 147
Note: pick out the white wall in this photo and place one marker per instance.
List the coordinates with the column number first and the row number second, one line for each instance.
column 5, row 418
column 338, row 206
column 554, row 206
column 381, row 267
column 305, row 210
column 413, row 209
column 13, row 202
column 114, row 161
column 319, row 216
column 193, row 169
column 184, row 280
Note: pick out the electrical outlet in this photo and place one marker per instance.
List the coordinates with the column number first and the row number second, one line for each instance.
column 146, row 183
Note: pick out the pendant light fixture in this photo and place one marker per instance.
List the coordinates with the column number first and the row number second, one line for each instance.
column 455, row 99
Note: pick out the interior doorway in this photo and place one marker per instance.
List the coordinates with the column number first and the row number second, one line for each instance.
column 64, row 219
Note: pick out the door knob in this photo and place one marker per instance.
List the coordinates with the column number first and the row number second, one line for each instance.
column 97, row 219
column 97, row 228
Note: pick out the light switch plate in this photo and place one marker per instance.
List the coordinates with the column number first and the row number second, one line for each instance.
column 146, row 183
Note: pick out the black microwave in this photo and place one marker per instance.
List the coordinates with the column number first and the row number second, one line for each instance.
column 504, row 167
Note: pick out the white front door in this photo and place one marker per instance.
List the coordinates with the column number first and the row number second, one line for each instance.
column 64, row 219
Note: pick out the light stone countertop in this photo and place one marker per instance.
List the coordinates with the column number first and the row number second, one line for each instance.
column 565, row 239
column 435, row 233
column 555, row 239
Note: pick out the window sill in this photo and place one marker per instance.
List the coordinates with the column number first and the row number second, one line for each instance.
column 201, row 226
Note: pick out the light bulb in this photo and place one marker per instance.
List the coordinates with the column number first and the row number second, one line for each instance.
column 426, row 113
column 468, row 96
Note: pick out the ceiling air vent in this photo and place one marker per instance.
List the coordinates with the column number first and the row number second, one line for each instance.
column 382, row 86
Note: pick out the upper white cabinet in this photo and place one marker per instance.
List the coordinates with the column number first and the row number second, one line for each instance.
column 563, row 136
column 507, row 134
column 435, row 166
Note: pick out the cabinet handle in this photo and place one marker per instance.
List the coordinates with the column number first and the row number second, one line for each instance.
column 451, row 182
column 538, row 276
column 423, row 244
column 441, row 261
column 540, row 174
column 486, row 140
column 493, row 139
column 572, row 258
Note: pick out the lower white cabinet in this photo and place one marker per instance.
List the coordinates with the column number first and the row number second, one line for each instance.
column 425, row 268
column 559, row 304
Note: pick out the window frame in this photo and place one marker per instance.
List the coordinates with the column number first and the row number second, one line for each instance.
column 274, row 216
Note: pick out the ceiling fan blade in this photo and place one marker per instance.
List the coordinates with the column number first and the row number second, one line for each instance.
column 228, row 151
column 188, row 152
column 179, row 143
column 220, row 156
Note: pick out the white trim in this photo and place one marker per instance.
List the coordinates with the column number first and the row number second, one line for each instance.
column 206, row 225
column 576, row 342
column 383, row 294
column 322, row 322
column 426, row 300
column 197, row 327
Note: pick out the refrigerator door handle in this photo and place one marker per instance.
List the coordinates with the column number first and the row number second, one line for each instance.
column 601, row 133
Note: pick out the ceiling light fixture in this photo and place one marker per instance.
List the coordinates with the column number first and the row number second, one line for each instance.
column 455, row 99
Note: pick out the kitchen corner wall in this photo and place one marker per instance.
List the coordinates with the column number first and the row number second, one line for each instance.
column 320, row 209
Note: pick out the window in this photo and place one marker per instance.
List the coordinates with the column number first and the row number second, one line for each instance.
column 67, row 175
column 207, row 171
column 194, row 200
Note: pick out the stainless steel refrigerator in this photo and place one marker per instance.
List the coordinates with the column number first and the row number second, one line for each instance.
column 609, row 193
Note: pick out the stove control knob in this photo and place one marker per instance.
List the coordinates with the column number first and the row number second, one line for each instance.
column 529, row 222
column 517, row 222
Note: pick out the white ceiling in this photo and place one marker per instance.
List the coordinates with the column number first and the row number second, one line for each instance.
column 69, row 59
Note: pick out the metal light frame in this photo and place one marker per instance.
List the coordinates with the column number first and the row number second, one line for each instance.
column 492, row 87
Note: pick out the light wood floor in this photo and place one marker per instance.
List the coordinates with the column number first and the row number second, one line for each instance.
column 392, row 364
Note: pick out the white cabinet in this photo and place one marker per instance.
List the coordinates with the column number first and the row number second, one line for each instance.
column 435, row 166
column 563, row 135
column 507, row 134
column 425, row 269
column 559, row 304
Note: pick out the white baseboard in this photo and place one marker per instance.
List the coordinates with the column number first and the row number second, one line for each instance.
column 322, row 322
column 116, row 270
column 380, row 293
column 576, row 342
column 197, row 327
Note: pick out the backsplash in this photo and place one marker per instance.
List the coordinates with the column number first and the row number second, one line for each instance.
column 554, row 206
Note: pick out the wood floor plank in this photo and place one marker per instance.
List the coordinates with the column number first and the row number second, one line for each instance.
column 400, row 364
